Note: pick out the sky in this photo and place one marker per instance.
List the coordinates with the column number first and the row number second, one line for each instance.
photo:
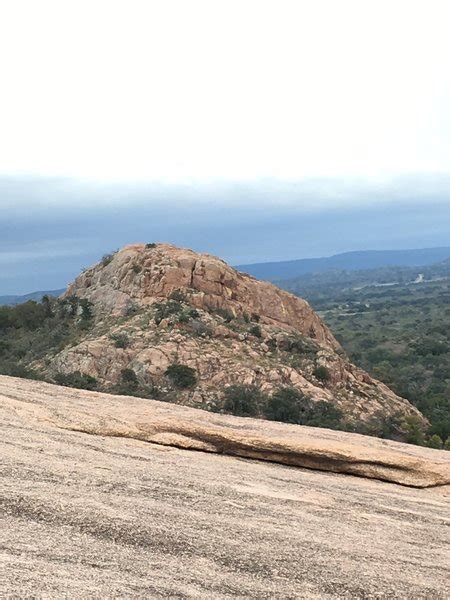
column 253, row 129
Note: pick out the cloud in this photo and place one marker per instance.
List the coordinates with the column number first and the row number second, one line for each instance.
column 50, row 229
column 164, row 91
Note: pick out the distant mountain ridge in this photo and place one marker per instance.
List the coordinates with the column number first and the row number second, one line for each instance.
column 350, row 261
column 12, row 300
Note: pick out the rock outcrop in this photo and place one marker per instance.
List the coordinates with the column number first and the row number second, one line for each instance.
column 94, row 516
column 174, row 306
column 183, row 427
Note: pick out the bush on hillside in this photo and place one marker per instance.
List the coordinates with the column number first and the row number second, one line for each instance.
column 288, row 405
column 120, row 340
column 77, row 380
column 435, row 442
column 322, row 373
column 181, row 376
column 243, row 400
column 107, row 258
column 256, row 331
column 163, row 310
column 324, row 414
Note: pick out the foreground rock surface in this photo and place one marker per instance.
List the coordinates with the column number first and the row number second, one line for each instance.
column 170, row 425
column 92, row 516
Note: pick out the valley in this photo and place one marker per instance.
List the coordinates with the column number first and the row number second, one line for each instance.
column 396, row 325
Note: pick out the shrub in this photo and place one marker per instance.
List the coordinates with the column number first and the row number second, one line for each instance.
column 435, row 442
column 166, row 309
column 129, row 386
column 129, row 376
column 137, row 269
column 243, row 400
column 272, row 343
column 69, row 305
column 86, row 309
column 178, row 296
column 4, row 346
column 447, row 444
column 322, row 373
column 150, row 245
column 414, row 431
column 292, row 406
column 120, row 340
column 181, row 376
column 226, row 314
column 28, row 315
column 5, row 317
column 256, row 331
column 76, row 380
column 288, row 405
column 21, row 371
column 187, row 314
column 302, row 345
column 199, row 328
column 324, row 414
column 107, row 258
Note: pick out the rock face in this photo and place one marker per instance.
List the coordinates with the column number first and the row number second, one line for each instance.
column 190, row 428
column 96, row 516
column 225, row 325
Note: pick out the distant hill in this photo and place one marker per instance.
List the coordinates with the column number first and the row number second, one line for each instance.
column 350, row 261
column 37, row 296
column 242, row 345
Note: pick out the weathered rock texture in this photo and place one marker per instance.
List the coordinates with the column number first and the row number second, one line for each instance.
column 94, row 516
column 190, row 428
column 246, row 332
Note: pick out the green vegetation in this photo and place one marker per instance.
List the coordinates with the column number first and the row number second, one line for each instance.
column 322, row 373
column 178, row 296
column 120, row 340
column 289, row 405
column 243, row 400
column 181, row 376
column 107, row 258
column 31, row 330
column 164, row 310
column 76, row 380
column 435, row 442
column 256, row 331
column 397, row 330
column 129, row 385
column 150, row 245
column 226, row 314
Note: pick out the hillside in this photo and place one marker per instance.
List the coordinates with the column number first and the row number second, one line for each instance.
column 350, row 261
column 168, row 323
column 394, row 323
column 89, row 513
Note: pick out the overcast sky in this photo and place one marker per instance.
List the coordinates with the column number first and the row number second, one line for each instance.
column 241, row 127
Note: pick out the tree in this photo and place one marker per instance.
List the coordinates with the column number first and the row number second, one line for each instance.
column 289, row 405
column 435, row 442
column 324, row 414
column 414, row 431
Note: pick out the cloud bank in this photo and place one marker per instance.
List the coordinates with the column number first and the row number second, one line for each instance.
column 51, row 228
